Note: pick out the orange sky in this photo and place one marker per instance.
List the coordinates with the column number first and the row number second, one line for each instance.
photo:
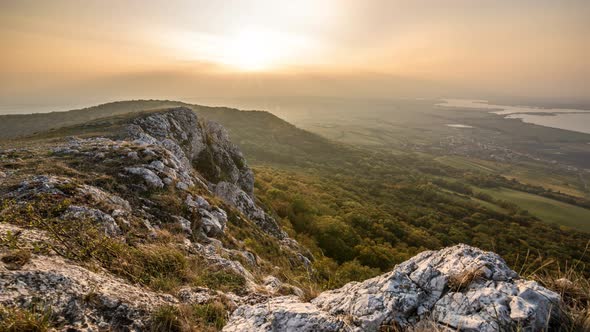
column 125, row 49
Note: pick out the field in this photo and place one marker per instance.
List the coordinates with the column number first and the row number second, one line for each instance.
column 536, row 174
column 546, row 209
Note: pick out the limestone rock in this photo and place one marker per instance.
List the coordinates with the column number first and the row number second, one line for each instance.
column 287, row 314
column 105, row 221
column 111, row 203
column 213, row 219
column 202, row 146
column 230, row 164
column 79, row 297
column 39, row 184
column 150, row 178
column 211, row 224
column 458, row 287
column 233, row 195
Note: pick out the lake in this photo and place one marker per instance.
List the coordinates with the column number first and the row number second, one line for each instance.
column 561, row 118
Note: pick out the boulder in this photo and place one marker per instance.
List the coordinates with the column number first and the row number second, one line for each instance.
column 105, row 221
column 150, row 178
column 459, row 287
column 211, row 224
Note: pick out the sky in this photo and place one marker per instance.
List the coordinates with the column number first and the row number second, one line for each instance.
column 70, row 52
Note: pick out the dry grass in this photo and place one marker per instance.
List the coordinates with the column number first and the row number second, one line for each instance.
column 574, row 289
column 460, row 281
column 30, row 320
column 206, row 317
column 15, row 259
column 568, row 280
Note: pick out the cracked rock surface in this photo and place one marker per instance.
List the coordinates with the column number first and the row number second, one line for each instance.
column 459, row 287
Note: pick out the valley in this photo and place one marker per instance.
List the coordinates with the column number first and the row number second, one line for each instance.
column 360, row 198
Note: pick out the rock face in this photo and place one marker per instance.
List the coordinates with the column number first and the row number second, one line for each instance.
column 459, row 287
column 163, row 194
column 231, row 194
column 206, row 147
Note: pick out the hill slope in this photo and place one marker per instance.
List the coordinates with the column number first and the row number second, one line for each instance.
column 148, row 221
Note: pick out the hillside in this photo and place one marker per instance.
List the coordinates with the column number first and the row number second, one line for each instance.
column 19, row 125
column 265, row 138
column 262, row 136
column 161, row 206
column 164, row 201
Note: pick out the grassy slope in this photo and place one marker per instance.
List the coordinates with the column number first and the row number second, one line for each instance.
column 265, row 138
column 546, row 209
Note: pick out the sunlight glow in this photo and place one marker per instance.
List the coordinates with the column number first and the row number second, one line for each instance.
column 254, row 50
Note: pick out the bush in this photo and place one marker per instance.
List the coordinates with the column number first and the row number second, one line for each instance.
column 351, row 271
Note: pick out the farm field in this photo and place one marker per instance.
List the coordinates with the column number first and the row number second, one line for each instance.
column 546, row 209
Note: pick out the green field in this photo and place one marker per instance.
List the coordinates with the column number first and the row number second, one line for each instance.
column 472, row 164
column 546, row 209
column 535, row 174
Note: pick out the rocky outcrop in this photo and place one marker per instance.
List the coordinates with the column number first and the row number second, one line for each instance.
column 460, row 287
column 232, row 195
column 77, row 297
column 213, row 219
column 206, row 148
column 229, row 163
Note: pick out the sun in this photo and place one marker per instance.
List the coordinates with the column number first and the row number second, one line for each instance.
column 252, row 50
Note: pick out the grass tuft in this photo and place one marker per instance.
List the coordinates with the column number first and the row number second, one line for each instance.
column 210, row 316
column 30, row 320
column 16, row 259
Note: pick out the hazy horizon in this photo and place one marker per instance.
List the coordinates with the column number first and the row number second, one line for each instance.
column 73, row 53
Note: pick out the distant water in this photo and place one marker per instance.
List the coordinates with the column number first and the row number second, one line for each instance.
column 561, row 118
column 458, row 125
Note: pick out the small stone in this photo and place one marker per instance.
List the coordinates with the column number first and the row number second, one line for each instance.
column 149, row 176
column 133, row 155
column 157, row 165
column 184, row 223
column 182, row 186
